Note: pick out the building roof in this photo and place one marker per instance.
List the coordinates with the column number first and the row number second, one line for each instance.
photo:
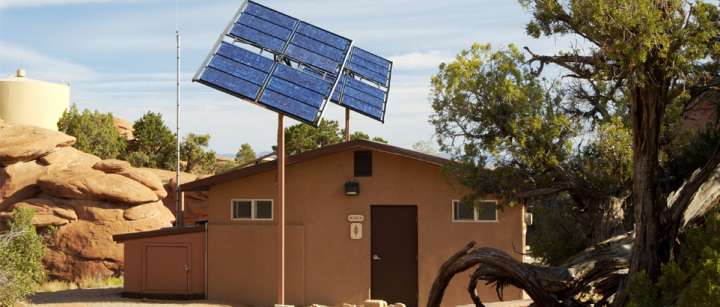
column 158, row 233
column 205, row 183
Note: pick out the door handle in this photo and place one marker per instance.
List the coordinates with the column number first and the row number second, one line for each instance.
column 187, row 268
column 376, row 257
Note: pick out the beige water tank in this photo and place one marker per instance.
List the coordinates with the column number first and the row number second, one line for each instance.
column 32, row 102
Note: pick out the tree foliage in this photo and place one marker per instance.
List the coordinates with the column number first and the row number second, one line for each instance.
column 503, row 125
column 154, row 144
column 193, row 151
column 300, row 137
column 94, row 132
column 245, row 154
column 359, row 135
column 427, row 147
column 21, row 252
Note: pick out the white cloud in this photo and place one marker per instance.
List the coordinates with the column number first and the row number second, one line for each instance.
column 419, row 60
column 40, row 66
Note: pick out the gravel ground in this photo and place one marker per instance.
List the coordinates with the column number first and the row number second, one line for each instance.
column 111, row 297
column 104, row 297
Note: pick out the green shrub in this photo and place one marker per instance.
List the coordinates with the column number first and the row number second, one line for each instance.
column 94, row 131
column 21, row 252
column 690, row 279
column 154, row 144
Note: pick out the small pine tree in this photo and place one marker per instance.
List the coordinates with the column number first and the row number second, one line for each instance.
column 154, row 144
column 197, row 159
column 245, row 154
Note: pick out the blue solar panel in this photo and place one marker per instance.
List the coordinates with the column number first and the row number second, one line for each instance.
column 370, row 66
column 310, row 81
column 319, row 48
column 237, row 71
column 323, row 36
column 270, row 15
column 365, row 84
column 228, row 83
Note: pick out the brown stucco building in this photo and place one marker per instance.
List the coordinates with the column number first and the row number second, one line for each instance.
column 364, row 220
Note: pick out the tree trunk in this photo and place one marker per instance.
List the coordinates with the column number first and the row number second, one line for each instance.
column 649, row 251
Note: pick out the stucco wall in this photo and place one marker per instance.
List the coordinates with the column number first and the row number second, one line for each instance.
column 336, row 268
column 136, row 262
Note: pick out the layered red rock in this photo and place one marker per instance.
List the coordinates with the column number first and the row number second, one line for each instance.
column 143, row 176
column 85, row 199
column 22, row 143
column 91, row 184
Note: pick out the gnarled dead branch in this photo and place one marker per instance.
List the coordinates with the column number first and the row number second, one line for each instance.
column 594, row 271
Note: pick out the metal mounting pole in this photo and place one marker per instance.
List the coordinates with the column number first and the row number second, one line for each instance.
column 178, row 195
column 281, row 210
column 347, row 124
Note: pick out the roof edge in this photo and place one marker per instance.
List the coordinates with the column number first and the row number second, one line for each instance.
column 205, row 183
column 170, row 231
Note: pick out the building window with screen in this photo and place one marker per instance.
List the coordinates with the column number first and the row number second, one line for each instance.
column 251, row 209
column 481, row 211
column 363, row 163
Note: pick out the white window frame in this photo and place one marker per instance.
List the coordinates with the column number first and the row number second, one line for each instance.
column 253, row 209
column 476, row 212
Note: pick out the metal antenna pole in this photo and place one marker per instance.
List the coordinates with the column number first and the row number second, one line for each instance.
column 347, row 124
column 281, row 210
column 178, row 207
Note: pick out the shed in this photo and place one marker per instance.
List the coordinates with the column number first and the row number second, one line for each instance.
column 364, row 220
column 168, row 263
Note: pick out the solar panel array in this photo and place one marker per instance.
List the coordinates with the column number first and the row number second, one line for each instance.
column 293, row 67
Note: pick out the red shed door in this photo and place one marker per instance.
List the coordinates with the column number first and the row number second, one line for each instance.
column 167, row 268
column 394, row 247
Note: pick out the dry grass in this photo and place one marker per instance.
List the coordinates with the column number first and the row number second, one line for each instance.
column 57, row 285
column 86, row 283
column 92, row 283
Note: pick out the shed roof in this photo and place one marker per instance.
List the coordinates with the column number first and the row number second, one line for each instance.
column 206, row 183
column 158, row 233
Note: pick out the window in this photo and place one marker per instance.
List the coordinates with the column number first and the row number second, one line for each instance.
column 242, row 209
column 251, row 209
column 263, row 209
column 482, row 211
column 363, row 163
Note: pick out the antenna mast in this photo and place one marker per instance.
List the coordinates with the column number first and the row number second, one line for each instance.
column 178, row 200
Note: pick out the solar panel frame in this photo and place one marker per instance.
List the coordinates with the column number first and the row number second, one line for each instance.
column 279, row 57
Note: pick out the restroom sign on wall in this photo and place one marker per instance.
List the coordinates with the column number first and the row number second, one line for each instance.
column 355, row 231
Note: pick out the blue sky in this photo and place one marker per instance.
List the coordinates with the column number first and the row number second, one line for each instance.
column 119, row 55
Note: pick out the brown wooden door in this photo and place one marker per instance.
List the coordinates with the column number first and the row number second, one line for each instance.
column 167, row 268
column 394, row 246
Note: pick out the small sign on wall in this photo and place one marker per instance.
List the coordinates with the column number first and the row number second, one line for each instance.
column 356, row 218
column 355, row 231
